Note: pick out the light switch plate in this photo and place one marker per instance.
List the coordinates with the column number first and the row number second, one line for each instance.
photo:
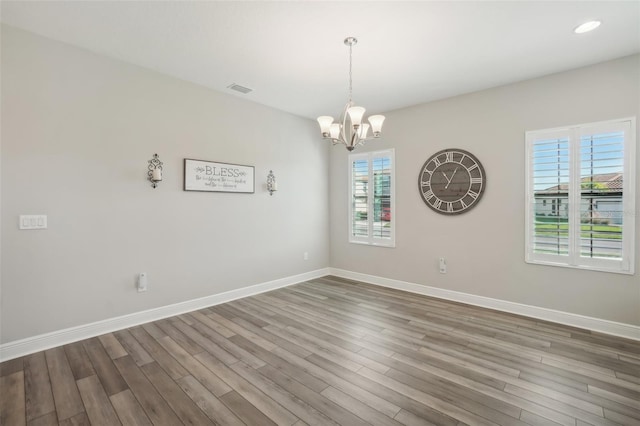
column 33, row 221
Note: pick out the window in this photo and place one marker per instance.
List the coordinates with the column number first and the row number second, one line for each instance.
column 581, row 196
column 371, row 199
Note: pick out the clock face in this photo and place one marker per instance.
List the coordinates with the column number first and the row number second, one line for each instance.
column 452, row 181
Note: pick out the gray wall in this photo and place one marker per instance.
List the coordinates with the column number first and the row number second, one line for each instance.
column 484, row 248
column 77, row 131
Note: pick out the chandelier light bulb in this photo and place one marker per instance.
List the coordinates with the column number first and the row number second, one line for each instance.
column 325, row 124
column 334, row 131
column 355, row 114
column 363, row 130
column 376, row 124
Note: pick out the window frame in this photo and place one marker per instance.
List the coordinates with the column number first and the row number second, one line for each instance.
column 625, row 265
column 370, row 239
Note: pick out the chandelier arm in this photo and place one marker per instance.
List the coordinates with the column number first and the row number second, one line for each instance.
column 355, row 140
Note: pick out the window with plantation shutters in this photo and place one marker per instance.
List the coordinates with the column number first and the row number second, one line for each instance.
column 581, row 196
column 371, row 198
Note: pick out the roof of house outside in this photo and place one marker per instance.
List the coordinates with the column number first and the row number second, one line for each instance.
column 611, row 182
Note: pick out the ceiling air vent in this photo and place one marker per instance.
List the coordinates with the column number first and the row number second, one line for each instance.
column 239, row 88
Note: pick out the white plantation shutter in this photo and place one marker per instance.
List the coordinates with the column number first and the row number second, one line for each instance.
column 550, row 183
column 581, row 196
column 381, row 207
column 602, row 193
column 371, row 200
column 359, row 197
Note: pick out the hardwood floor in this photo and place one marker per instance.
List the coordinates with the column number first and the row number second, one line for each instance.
column 331, row 351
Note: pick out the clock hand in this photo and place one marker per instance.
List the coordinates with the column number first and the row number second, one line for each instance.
column 449, row 180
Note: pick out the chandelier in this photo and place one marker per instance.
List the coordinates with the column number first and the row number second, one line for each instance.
column 349, row 130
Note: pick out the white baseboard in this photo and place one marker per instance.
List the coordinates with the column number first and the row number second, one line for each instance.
column 42, row 342
column 628, row 331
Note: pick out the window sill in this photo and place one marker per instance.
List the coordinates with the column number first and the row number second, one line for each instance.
column 374, row 244
column 613, row 270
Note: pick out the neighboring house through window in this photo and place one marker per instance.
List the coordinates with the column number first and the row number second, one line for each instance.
column 581, row 196
column 371, row 198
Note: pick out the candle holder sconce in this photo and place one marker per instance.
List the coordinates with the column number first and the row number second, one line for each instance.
column 272, row 185
column 154, row 172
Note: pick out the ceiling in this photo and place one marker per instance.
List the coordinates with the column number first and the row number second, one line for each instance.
column 293, row 57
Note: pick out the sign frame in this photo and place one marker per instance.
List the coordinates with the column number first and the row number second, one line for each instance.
column 212, row 176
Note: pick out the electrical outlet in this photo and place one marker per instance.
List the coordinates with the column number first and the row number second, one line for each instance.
column 305, row 256
column 142, row 282
column 442, row 264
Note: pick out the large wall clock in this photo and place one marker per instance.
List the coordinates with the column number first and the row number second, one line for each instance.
column 452, row 181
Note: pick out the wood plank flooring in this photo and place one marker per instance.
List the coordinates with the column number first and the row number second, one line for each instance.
column 331, row 351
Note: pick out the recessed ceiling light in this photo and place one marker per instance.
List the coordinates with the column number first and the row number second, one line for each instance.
column 586, row 27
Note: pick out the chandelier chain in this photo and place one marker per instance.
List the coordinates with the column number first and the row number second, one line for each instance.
column 350, row 72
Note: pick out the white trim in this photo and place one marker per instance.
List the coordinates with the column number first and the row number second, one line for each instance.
column 370, row 239
column 42, row 342
column 624, row 265
column 619, row 329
